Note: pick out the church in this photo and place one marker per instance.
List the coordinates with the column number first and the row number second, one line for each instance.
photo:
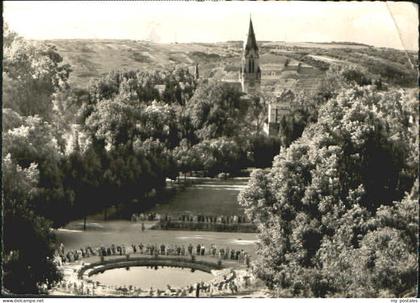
column 274, row 80
column 271, row 79
column 250, row 74
column 250, row 79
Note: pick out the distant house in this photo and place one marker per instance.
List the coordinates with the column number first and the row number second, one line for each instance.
column 278, row 108
column 271, row 71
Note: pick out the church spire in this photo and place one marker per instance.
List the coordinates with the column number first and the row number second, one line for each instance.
column 250, row 69
column 251, row 42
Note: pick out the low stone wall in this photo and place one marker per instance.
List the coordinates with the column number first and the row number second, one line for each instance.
column 228, row 280
column 202, row 226
column 98, row 267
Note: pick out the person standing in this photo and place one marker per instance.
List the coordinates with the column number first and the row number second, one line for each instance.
column 247, row 260
column 197, row 290
column 61, row 249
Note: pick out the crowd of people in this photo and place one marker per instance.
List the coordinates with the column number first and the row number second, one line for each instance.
column 79, row 288
column 224, row 284
column 222, row 253
column 200, row 289
column 227, row 283
column 221, row 219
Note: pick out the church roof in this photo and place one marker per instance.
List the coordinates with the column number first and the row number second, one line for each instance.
column 251, row 42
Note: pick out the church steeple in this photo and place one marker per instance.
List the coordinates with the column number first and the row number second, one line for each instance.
column 251, row 42
column 250, row 67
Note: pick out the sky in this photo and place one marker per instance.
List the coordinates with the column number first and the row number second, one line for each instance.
column 383, row 24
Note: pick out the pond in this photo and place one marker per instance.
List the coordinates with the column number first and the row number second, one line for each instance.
column 146, row 277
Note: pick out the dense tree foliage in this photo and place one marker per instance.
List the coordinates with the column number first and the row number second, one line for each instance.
column 33, row 77
column 197, row 134
column 328, row 222
column 37, row 141
column 305, row 106
column 172, row 86
column 28, row 244
column 215, row 110
column 261, row 150
column 33, row 145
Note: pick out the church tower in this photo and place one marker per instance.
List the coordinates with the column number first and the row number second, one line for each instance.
column 250, row 67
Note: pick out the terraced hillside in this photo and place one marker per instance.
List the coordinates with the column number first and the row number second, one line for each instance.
column 92, row 58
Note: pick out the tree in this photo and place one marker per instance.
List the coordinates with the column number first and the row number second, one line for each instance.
column 83, row 176
column 114, row 122
column 305, row 106
column 28, row 243
column 316, row 208
column 218, row 155
column 257, row 113
column 186, row 158
column 215, row 110
column 35, row 86
column 262, row 150
column 39, row 142
column 159, row 121
column 11, row 119
column 32, row 74
column 33, row 141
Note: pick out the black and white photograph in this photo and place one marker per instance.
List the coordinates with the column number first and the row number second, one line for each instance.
column 210, row 149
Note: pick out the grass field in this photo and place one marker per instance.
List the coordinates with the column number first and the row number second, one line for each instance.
column 207, row 198
column 125, row 232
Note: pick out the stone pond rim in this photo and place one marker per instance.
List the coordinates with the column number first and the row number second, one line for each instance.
column 98, row 267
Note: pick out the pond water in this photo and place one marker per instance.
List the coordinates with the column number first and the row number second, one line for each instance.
column 146, row 277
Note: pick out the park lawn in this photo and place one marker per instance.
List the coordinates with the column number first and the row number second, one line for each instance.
column 118, row 232
column 207, row 198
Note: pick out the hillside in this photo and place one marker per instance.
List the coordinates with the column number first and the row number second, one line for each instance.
column 92, row 58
